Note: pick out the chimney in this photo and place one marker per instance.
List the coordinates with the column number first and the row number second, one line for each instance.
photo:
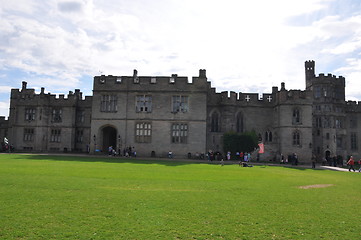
column 283, row 86
column 24, row 85
column 202, row 73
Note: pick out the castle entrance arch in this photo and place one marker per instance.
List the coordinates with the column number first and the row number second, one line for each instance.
column 109, row 138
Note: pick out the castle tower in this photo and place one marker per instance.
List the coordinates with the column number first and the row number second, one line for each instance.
column 309, row 72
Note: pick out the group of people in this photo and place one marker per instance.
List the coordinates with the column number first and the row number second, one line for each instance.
column 127, row 152
column 351, row 164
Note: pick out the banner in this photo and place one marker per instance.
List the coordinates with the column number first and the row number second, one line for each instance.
column 261, row 148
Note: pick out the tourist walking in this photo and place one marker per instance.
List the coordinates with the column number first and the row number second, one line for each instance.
column 351, row 163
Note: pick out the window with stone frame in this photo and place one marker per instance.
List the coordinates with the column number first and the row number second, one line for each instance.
column 80, row 116
column 215, row 122
column 30, row 114
column 28, row 134
column 296, row 138
column 339, row 142
column 239, row 123
column 143, row 103
column 179, row 104
column 318, row 122
column 317, row 92
column 296, row 116
column 353, row 141
column 268, row 136
column 55, row 135
column 108, row 103
column 338, row 123
column 143, row 132
column 79, row 135
column 179, row 132
column 353, row 121
column 56, row 115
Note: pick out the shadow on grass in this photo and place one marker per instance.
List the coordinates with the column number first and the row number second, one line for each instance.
column 107, row 159
column 161, row 161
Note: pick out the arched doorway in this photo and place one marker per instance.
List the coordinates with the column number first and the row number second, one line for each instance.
column 328, row 156
column 109, row 138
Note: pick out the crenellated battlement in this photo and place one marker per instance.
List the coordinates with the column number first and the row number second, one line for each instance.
column 160, row 83
column 353, row 106
column 29, row 96
column 329, row 77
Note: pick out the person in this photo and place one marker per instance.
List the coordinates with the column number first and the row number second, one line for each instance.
column 228, row 155
column 313, row 161
column 295, row 159
column 351, row 163
column 222, row 162
column 359, row 163
column 170, row 154
column 110, row 150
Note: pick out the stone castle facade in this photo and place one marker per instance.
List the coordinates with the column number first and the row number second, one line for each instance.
column 155, row 115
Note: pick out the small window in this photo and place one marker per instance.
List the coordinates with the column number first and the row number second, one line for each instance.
column 179, row 132
column 215, row 122
column 28, row 134
column 296, row 117
column 79, row 136
column 55, row 135
column 143, row 103
column 353, row 141
column 179, row 104
column 143, row 132
column 108, row 103
column 57, row 115
column 296, row 138
column 153, row 80
column 30, row 114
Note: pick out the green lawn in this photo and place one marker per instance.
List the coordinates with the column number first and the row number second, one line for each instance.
column 65, row 197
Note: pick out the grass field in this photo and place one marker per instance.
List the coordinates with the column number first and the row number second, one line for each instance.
column 65, row 197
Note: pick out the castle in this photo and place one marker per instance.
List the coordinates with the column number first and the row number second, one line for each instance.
column 155, row 115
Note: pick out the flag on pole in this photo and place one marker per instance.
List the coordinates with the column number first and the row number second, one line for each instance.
column 261, row 148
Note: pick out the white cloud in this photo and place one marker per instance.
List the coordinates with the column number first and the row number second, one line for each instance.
column 238, row 42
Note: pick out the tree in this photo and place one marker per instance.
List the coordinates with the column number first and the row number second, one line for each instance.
column 244, row 142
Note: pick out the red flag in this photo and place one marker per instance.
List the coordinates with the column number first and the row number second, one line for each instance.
column 261, row 148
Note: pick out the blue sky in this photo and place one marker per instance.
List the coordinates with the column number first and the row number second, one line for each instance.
column 245, row 46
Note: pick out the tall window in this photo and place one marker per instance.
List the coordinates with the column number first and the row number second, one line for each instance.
column 353, row 121
column 215, row 122
column 179, row 132
column 338, row 123
column 55, row 135
column 296, row 138
column 296, row 117
column 108, row 103
column 28, row 134
column 80, row 115
column 57, row 115
column 268, row 136
column 339, row 143
column 318, row 122
column 317, row 92
column 143, row 132
column 353, row 141
column 179, row 104
column 143, row 103
column 30, row 114
column 79, row 136
column 239, row 123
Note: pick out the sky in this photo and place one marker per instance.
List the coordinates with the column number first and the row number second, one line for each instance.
column 245, row 46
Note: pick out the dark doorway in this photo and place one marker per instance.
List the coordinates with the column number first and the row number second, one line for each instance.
column 109, row 138
column 328, row 156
